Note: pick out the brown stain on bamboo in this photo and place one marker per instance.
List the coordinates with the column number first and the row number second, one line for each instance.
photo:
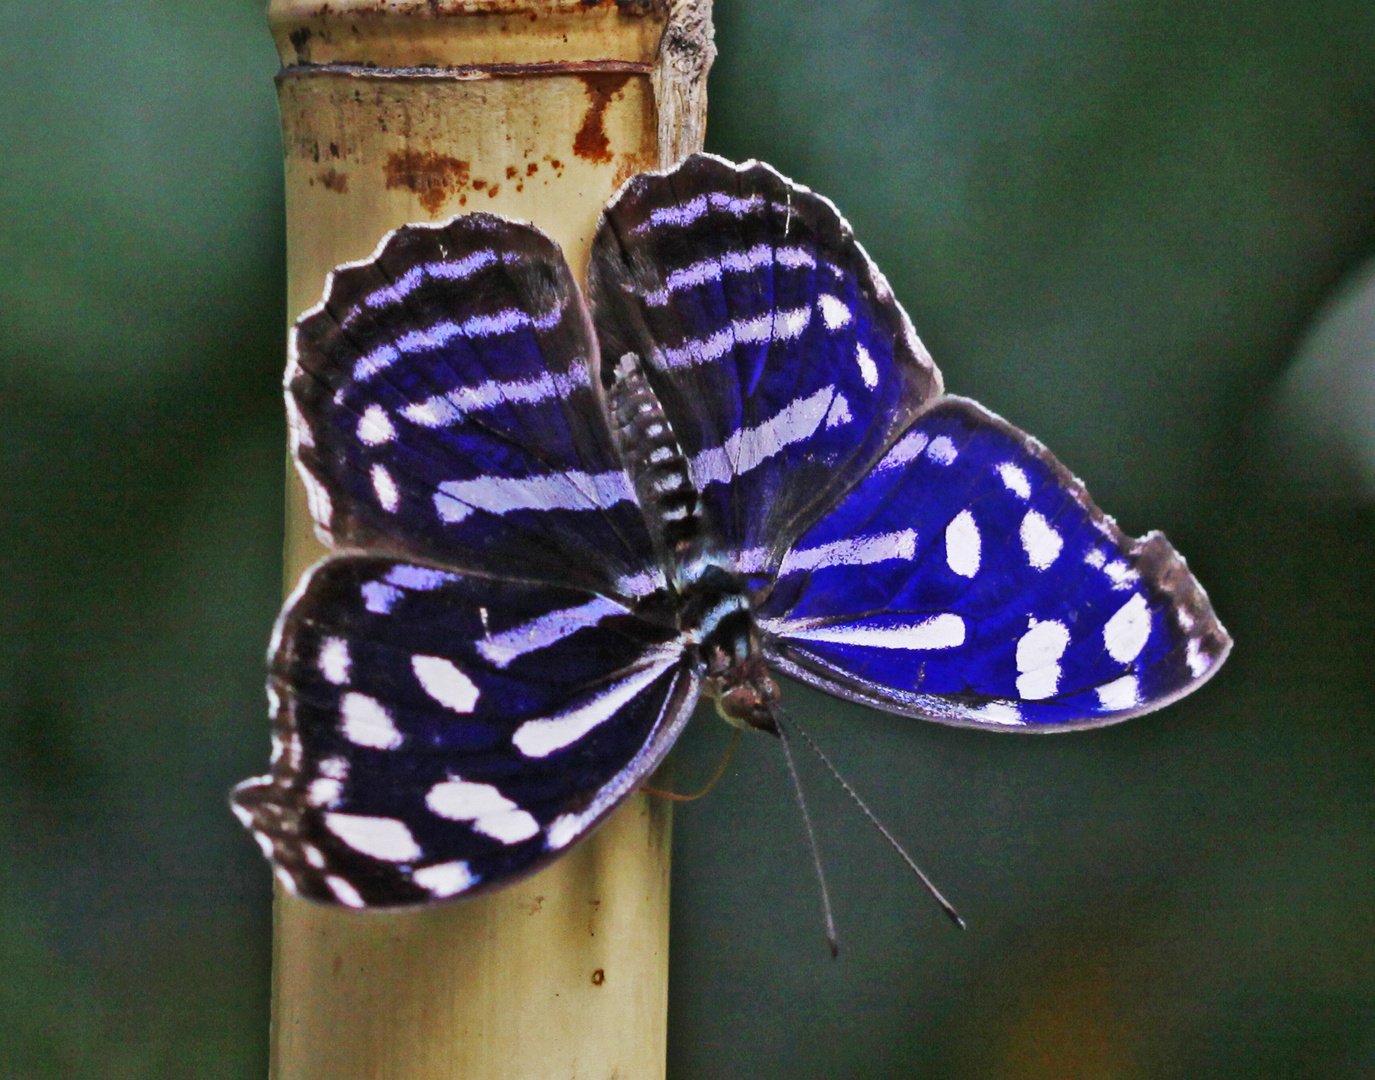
column 433, row 177
column 602, row 88
column 334, row 180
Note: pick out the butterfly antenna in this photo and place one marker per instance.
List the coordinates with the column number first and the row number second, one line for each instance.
column 945, row 904
column 811, row 840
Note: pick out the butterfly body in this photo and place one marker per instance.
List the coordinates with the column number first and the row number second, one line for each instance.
column 558, row 522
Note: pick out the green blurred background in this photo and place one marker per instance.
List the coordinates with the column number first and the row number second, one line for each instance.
column 1138, row 229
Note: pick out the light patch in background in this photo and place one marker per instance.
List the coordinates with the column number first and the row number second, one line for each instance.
column 1318, row 435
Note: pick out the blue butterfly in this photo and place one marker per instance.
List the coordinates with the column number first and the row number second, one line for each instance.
column 558, row 522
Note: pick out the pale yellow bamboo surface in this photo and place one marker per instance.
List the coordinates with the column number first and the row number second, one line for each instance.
column 565, row 973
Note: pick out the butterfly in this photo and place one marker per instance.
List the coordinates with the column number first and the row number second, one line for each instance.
column 558, row 521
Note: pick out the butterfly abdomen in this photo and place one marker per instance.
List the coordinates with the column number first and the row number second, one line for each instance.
column 653, row 457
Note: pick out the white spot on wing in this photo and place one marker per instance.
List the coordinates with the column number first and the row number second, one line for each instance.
column 794, row 258
column 1038, row 658
column 1041, row 543
column 1015, row 479
column 484, row 807
column 445, row 683
column 1198, row 661
column 455, row 270
column 334, row 660
column 441, row 333
column 839, row 412
column 445, row 409
column 998, row 712
column 366, row 722
column 345, row 893
column 1126, row 632
column 906, row 449
column 501, row 649
column 335, row 767
column 868, row 370
column 385, row 487
column 962, row 544
column 771, row 326
column 1121, row 575
column 942, row 451
column 324, row 791
column 690, row 211
column 563, row 830
column 456, row 499
column 834, row 312
column 643, row 582
column 1119, row 694
column 859, row 551
column 747, row 448
column 418, row 578
column 381, row 837
column 699, row 273
column 378, row 596
column 375, row 427
column 541, row 737
column 445, row 879
column 937, row 632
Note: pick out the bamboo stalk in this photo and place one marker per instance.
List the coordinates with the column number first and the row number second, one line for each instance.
column 395, row 111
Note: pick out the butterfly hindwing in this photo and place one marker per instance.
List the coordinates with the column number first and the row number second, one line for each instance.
column 970, row 579
column 441, row 406
column 780, row 356
column 436, row 731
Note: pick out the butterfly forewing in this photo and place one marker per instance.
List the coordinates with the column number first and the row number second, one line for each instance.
column 970, row 579
column 441, row 406
column 775, row 346
column 436, row 732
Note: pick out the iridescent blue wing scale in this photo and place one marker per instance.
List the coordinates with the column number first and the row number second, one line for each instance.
column 777, row 350
column 441, row 406
column 970, row 579
column 437, row 732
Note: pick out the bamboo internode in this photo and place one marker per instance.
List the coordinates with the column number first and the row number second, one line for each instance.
column 396, row 112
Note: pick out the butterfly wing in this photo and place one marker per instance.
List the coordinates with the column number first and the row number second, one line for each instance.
column 781, row 359
column 969, row 578
column 440, row 406
column 436, row 732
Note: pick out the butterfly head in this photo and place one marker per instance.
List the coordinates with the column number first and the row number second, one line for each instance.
column 746, row 696
column 736, row 675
